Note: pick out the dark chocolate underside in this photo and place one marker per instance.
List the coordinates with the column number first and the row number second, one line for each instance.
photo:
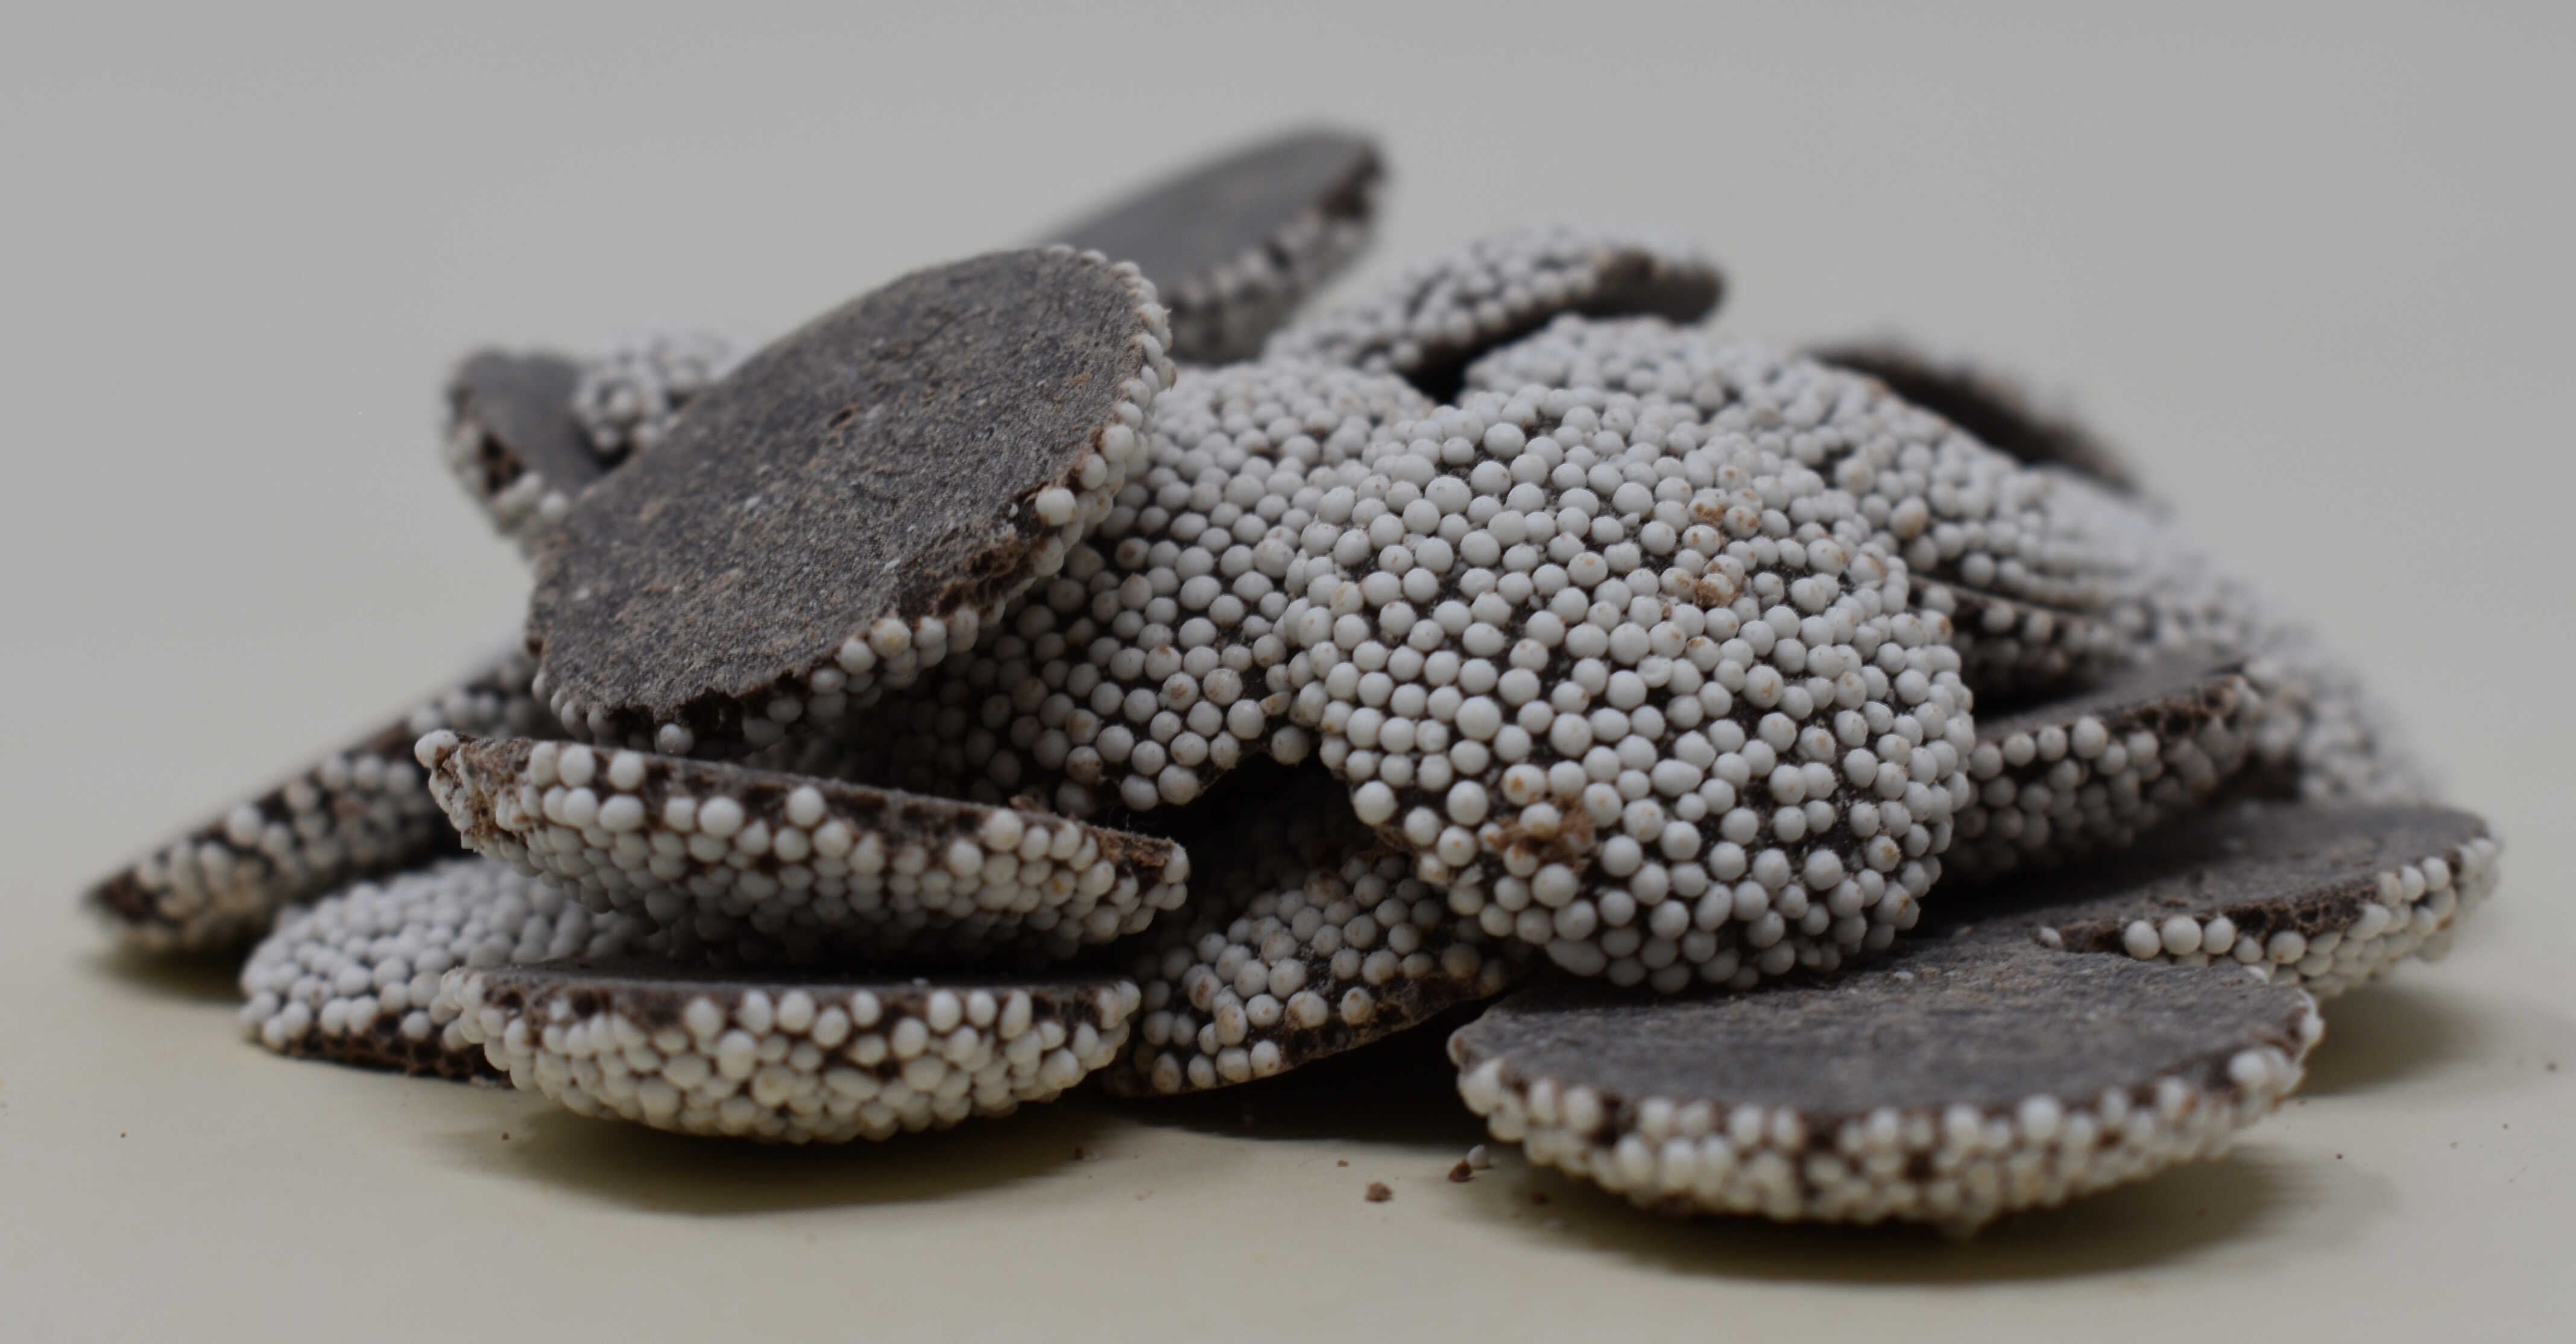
column 876, row 463
column 2267, row 866
column 1984, row 1022
column 1183, row 228
column 524, row 404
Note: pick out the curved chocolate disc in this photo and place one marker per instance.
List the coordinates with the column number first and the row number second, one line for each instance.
column 1566, row 659
column 815, row 1059
column 358, row 812
column 2324, row 896
column 1439, row 315
column 762, row 866
column 513, row 443
column 354, row 978
column 1993, row 1065
column 1995, row 409
column 1235, row 243
column 1962, row 1080
column 2056, row 781
column 851, row 503
column 1310, row 939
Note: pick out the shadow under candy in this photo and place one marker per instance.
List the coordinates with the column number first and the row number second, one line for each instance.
column 1401, row 1090
column 2192, row 1210
column 2387, row 1033
column 207, row 977
column 630, row 1165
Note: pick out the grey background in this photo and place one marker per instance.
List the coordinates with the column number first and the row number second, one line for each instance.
column 2311, row 264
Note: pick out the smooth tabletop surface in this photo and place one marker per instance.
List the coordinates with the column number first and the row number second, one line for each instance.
column 2309, row 266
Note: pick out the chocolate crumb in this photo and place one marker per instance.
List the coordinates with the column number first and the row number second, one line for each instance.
column 1378, row 1193
column 1462, row 1173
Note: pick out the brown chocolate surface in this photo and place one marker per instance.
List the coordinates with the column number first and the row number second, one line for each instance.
column 880, row 461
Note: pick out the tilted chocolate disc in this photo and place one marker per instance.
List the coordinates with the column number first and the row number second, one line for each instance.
column 1310, row 939
column 1996, row 1062
column 2324, row 896
column 761, row 866
column 354, row 979
column 2059, row 780
column 1996, row 410
column 850, row 504
column 1961, row 1080
column 1438, row 316
column 360, row 811
column 817, row 1059
column 513, row 443
column 1235, row 243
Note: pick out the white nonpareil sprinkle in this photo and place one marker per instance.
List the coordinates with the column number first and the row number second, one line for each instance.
column 762, row 867
column 797, row 1061
column 354, row 978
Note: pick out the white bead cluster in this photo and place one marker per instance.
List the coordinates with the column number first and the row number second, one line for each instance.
column 1315, row 940
column 1968, row 521
column 1634, row 680
column 2416, row 907
column 1153, row 663
column 788, row 1062
column 627, row 398
column 1961, row 1166
column 761, row 867
column 2011, row 650
column 359, row 811
column 895, row 650
column 354, row 977
column 2061, row 781
column 1439, row 312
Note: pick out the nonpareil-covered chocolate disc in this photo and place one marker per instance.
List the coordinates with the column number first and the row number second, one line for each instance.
column 851, row 504
column 812, row 1059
